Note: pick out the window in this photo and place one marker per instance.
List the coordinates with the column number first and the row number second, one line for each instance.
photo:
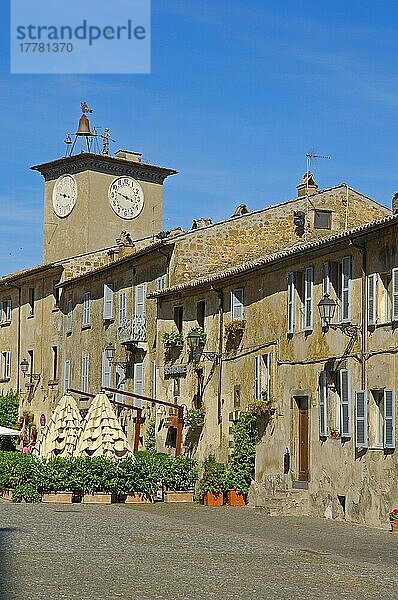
column 140, row 300
column 67, row 375
column 308, row 314
column 262, row 364
column 122, row 308
column 86, row 309
column 56, row 293
column 300, row 286
column 375, row 419
column 290, row 302
column 55, row 363
column 6, row 311
column 361, row 419
column 345, row 403
column 384, row 297
column 108, row 301
column 323, row 408
column 138, row 383
column 345, row 289
column 237, row 312
column 200, row 313
column 323, row 219
column 5, row 365
column 326, row 278
column 69, row 314
column 106, row 370
column 161, row 282
column 85, row 365
column 31, row 301
column 178, row 317
column 371, row 299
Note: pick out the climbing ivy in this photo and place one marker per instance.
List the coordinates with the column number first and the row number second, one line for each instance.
column 9, row 404
column 240, row 471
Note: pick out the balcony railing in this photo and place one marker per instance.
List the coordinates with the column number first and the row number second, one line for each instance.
column 133, row 330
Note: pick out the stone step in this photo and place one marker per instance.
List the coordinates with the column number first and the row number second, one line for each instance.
column 287, row 502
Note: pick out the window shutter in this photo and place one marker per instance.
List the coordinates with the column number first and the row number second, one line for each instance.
column 140, row 300
column 257, row 377
column 86, row 309
column 108, row 301
column 394, row 302
column 345, row 404
column 7, row 365
column 308, row 298
column 323, row 390
column 67, row 373
column 389, row 418
column 106, row 371
column 122, row 308
column 85, row 365
column 325, row 278
column 345, row 289
column 8, row 310
column 237, row 304
column 69, row 317
column 361, row 419
column 138, row 383
column 372, row 299
column 161, row 282
column 268, row 363
column 290, row 303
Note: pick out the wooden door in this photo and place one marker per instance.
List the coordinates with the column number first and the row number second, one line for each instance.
column 303, row 439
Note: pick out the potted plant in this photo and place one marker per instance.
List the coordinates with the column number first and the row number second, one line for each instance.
column 211, row 487
column 240, row 470
column 394, row 520
column 56, row 481
column 179, row 478
column 174, row 339
column 96, row 479
column 139, row 477
column 195, row 418
column 237, row 487
column 262, row 406
column 234, row 327
column 334, row 432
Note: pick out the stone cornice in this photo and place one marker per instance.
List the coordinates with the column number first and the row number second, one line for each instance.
column 111, row 165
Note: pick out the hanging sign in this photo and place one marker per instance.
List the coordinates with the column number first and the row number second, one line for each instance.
column 175, row 370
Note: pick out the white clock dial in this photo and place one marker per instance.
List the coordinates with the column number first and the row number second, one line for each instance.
column 64, row 195
column 126, row 197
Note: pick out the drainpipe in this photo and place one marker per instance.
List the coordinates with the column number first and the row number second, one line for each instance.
column 19, row 330
column 220, row 295
column 364, row 339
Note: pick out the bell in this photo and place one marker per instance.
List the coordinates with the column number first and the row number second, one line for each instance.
column 84, row 127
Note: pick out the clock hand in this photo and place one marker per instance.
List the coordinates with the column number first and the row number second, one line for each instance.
column 123, row 196
column 65, row 196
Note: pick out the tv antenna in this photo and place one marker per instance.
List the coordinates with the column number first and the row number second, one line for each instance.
column 309, row 158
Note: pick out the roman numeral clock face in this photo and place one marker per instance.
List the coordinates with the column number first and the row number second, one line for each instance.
column 126, row 197
column 64, row 195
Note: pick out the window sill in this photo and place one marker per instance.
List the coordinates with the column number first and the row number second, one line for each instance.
column 5, row 380
column 31, row 316
column 5, row 324
column 86, row 327
column 108, row 321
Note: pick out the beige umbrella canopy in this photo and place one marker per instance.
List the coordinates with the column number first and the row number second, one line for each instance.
column 102, row 434
column 61, row 434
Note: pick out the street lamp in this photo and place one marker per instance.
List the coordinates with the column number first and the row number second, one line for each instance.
column 110, row 351
column 195, row 339
column 327, row 308
column 24, row 364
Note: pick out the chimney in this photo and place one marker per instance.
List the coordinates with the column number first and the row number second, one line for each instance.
column 395, row 203
column 307, row 185
column 127, row 155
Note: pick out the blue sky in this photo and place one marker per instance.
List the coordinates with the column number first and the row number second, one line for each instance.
column 239, row 92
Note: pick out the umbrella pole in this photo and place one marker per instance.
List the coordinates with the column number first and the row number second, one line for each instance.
column 179, row 430
column 137, row 429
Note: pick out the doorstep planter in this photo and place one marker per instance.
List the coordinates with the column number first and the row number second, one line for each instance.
column 235, row 498
column 179, row 496
column 97, row 498
column 58, row 497
column 213, row 498
column 134, row 498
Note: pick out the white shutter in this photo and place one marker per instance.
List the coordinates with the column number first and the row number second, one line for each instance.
column 108, row 301
column 361, row 419
column 138, row 383
column 67, row 374
column 290, row 303
column 389, row 418
column 140, row 300
column 394, row 303
column 268, row 382
column 7, row 365
column 323, row 392
column 106, row 371
column 372, row 281
column 69, row 317
column 257, row 377
column 345, row 284
column 86, row 309
column 237, row 304
column 122, row 308
column 308, row 299
column 85, row 366
column 325, row 278
column 161, row 282
column 345, row 403
column 8, row 310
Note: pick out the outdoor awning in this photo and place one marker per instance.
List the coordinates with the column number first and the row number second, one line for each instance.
column 8, row 431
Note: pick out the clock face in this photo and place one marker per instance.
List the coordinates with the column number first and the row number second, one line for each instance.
column 126, row 197
column 64, row 195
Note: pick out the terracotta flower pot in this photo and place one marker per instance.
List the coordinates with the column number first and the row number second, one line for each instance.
column 213, row 499
column 134, row 498
column 394, row 525
column 235, row 498
column 58, row 497
column 178, row 496
column 6, row 493
column 97, row 498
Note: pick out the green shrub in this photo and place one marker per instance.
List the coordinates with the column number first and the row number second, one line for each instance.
column 27, row 492
column 150, row 436
column 213, row 480
column 57, row 473
column 240, row 471
column 180, row 473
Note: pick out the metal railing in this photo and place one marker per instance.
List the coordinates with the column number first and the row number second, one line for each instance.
column 133, row 330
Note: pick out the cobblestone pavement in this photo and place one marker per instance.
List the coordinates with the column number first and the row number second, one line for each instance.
column 188, row 552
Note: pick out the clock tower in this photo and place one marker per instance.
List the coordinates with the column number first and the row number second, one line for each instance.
column 91, row 197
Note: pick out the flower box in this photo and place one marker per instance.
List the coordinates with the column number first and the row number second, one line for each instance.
column 134, row 498
column 170, row 496
column 234, row 327
column 97, row 498
column 58, row 497
column 6, row 493
column 213, row 499
column 235, row 498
